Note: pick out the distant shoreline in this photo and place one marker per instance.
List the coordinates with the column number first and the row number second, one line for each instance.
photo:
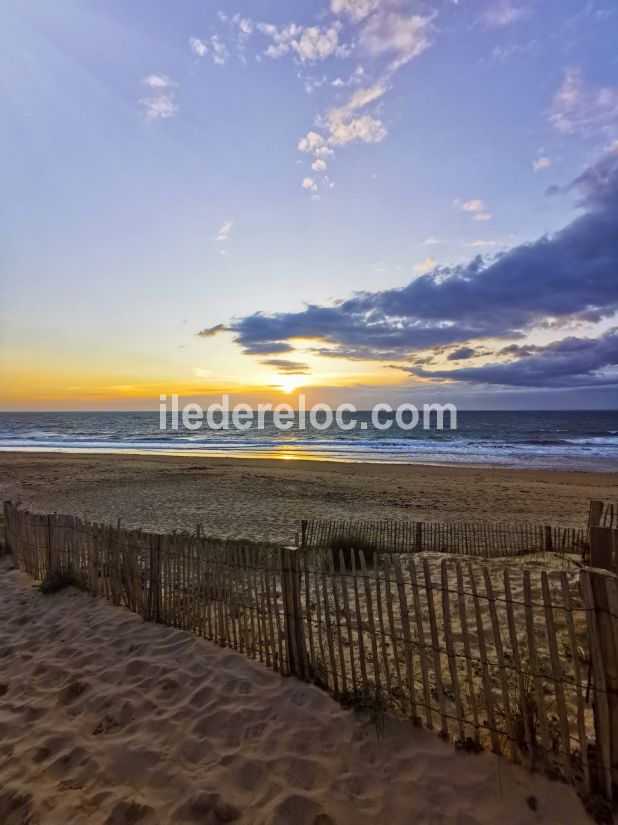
column 557, row 464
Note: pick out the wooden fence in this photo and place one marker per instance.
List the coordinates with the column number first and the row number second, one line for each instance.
column 603, row 514
column 519, row 661
column 480, row 539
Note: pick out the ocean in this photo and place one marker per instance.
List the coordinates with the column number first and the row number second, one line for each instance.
column 551, row 440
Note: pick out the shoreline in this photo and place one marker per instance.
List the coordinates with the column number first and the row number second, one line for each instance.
column 560, row 465
column 267, row 498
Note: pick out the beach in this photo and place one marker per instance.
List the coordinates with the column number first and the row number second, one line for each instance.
column 110, row 720
column 106, row 718
column 266, row 499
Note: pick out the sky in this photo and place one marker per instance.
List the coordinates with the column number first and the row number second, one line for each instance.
column 360, row 200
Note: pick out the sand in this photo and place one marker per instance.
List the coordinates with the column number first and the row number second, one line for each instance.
column 107, row 719
column 263, row 498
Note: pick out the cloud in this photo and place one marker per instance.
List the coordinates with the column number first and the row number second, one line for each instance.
column 161, row 103
column 318, row 165
column 314, row 143
column 310, row 184
column 499, row 13
column 316, row 44
column 402, row 36
column 344, row 125
column 462, row 354
column 309, row 44
column 158, row 81
column 566, row 277
column 220, row 53
column 481, row 244
column 475, row 205
column 209, row 332
column 385, row 33
column 567, row 363
column 198, row 46
column 476, row 208
column 357, row 76
column 287, row 367
column 215, row 47
column 424, row 266
column 541, row 163
column 224, row 233
column 356, row 10
column 579, row 108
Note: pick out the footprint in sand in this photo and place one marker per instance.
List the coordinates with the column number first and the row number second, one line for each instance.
column 15, row 807
column 130, row 813
column 202, row 805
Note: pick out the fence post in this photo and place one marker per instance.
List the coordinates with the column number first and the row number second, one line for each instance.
column 294, row 630
column 419, row 537
column 595, row 513
column 303, row 528
column 601, row 548
column 7, row 544
column 548, row 543
column 600, row 594
column 48, row 538
column 153, row 612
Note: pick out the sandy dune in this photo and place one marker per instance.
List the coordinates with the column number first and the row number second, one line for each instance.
column 106, row 719
column 267, row 498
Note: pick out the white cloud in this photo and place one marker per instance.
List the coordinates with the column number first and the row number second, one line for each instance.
column 405, row 36
column 215, row 47
column 198, row 46
column 541, row 163
column 482, row 244
column 315, row 144
column 316, row 44
column 161, row 104
column 424, row 266
column 244, row 24
column 309, row 44
column 578, row 107
column 365, row 128
column 318, row 165
column 431, row 240
column 356, row 10
column 357, row 76
column 220, row 53
column 501, row 13
column 158, row 81
column 224, row 233
column 344, row 126
column 475, row 205
column 309, row 183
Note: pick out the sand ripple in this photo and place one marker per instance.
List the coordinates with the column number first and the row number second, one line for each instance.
column 108, row 720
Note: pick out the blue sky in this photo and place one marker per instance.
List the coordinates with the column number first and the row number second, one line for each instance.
column 171, row 167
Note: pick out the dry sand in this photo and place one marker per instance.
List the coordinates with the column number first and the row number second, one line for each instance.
column 264, row 498
column 107, row 719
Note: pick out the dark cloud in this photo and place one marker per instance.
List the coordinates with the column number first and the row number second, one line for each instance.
column 208, row 332
column 287, row 367
column 569, row 275
column 567, row 363
column 462, row 354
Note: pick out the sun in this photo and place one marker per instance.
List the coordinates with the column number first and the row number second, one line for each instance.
column 289, row 383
